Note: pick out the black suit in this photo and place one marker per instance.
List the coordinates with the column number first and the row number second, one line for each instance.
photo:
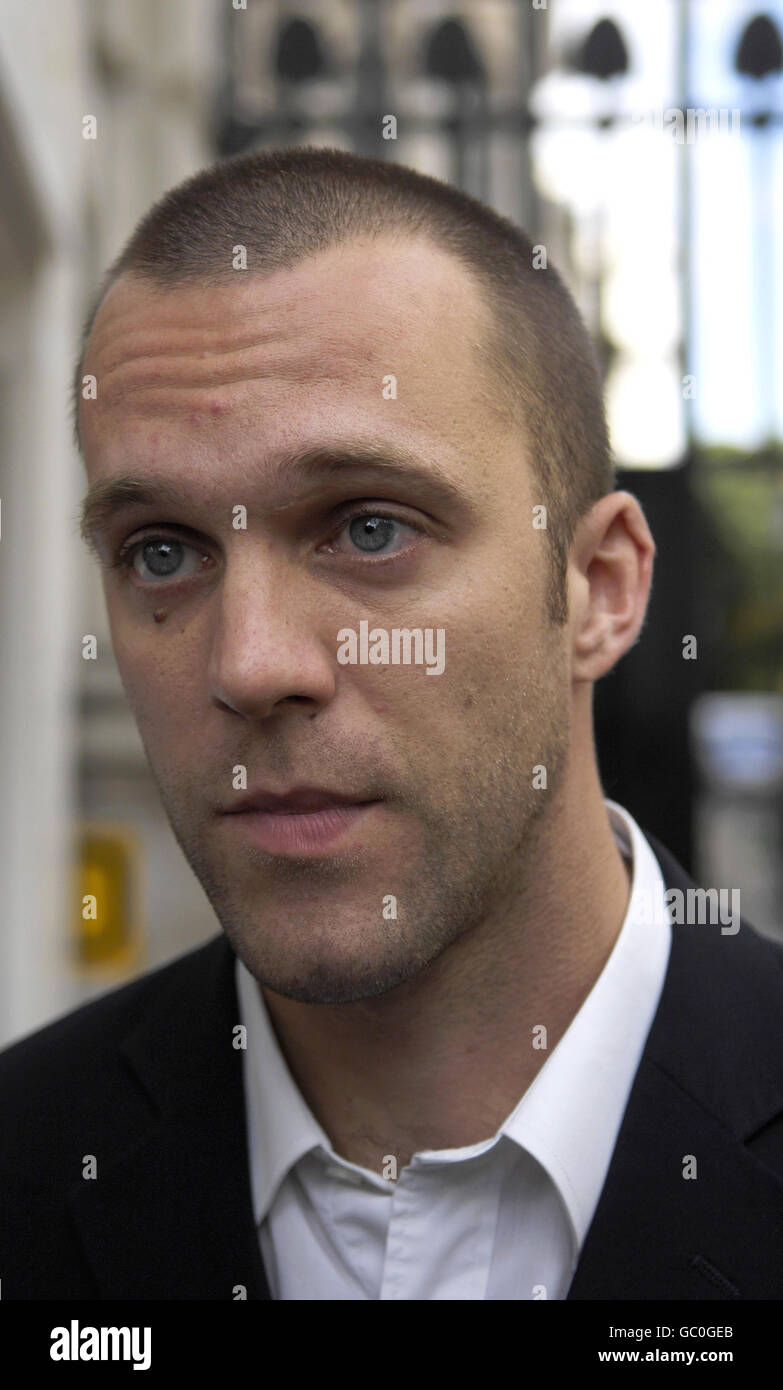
column 147, row 1080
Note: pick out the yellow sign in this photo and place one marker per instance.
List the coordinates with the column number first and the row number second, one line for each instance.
column 107, row 928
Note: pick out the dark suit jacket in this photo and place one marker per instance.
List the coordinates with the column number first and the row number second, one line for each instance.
column 147, row 1080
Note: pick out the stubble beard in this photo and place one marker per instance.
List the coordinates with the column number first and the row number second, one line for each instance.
column 477, row 852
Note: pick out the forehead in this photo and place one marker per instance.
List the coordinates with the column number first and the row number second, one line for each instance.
column 327, row 333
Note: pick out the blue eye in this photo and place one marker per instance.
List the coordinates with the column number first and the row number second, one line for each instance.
column 161, row 558
column 372, row 533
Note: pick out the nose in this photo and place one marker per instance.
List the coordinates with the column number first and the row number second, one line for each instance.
column 267, row 653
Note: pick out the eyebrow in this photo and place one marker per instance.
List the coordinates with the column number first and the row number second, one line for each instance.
column 109, row 497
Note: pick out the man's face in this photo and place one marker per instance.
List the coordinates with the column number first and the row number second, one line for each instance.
column 266, row 395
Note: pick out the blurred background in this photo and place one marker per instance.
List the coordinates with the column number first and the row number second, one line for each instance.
column 642, row 145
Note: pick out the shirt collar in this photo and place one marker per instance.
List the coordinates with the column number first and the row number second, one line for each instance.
column 569, row 1116
column 281, row 1126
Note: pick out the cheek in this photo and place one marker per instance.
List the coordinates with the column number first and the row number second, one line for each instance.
column 158, row 666
column 491, row 658
column 507, row 675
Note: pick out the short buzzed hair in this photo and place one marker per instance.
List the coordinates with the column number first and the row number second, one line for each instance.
column 286, row 205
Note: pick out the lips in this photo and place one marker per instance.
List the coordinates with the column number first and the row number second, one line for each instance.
column 298, row 802
column 305, row 821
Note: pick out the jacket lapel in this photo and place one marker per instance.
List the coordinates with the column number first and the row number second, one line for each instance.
column 708, row 1081
column 171, row 1217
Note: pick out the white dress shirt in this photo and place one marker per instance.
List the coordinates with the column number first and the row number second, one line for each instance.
column 502, row 1219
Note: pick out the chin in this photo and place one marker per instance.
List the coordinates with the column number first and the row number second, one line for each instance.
column 328, row 975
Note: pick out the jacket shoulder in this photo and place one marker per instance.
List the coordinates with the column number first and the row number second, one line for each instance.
column 72, row 1097
column 78, row 1045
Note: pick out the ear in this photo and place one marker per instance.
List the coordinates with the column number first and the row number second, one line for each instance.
column 609, row 576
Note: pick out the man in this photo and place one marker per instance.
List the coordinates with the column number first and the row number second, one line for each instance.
column 450, row 1045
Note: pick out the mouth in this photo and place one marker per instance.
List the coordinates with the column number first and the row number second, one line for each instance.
column 304, row 821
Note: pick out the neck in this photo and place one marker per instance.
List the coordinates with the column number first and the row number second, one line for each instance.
column 442, row 1060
